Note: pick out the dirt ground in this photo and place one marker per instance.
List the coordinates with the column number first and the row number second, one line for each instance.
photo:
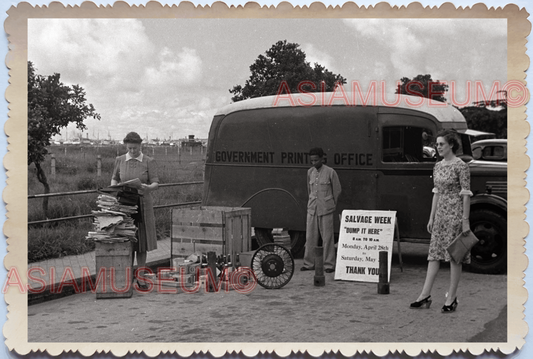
column 341, row 311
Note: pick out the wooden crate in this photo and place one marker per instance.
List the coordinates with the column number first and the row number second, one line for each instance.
column 224, row 230
column 118, row 256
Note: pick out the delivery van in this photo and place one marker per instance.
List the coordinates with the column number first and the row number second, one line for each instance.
column 257, row 157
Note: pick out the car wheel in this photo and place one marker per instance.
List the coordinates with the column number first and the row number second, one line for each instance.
column 489, row 256
column 263, row 236
column 297, row 243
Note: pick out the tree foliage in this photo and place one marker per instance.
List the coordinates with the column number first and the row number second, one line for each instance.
column 488, row 116
column 423, row 86
column 483, row 119
column 284, row 62
column 51, row 106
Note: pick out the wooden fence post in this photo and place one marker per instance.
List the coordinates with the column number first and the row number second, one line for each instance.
column 53, row 166
column 98, row 166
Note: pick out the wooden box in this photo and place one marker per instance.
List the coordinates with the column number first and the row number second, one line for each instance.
column 224, row 230
column 114, row 271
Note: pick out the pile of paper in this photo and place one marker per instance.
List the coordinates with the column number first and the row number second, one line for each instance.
column 113, row 222
column 110, row 204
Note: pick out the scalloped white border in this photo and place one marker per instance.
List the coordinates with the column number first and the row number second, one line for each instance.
column 15, row 194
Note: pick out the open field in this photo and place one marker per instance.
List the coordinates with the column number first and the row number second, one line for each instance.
column 76, row 170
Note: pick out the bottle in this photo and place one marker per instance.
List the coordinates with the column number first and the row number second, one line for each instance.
column 237, row 261
column 220, row 263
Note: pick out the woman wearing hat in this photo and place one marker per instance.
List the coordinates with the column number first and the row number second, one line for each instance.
column 134, row 164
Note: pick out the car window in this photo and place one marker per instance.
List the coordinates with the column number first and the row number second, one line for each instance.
column 489, row 152
column 494, row 153
column 477, row 153
column 499, row 151
column 408, row 144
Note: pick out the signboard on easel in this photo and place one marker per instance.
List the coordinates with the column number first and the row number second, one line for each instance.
column 363, row 234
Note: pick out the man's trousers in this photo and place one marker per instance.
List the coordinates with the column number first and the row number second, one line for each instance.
column 320, row 226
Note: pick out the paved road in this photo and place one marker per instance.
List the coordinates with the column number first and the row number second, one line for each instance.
column 299, row 312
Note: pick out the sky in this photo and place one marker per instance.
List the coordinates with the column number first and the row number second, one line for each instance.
column 166, row 78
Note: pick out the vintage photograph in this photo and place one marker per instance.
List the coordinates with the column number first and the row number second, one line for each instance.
column 259, row 179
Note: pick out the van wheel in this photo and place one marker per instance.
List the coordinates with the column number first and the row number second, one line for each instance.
column 263, row 236
column 489, row 256
column 297, row 243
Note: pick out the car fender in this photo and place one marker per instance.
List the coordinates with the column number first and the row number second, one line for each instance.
column 485, row 199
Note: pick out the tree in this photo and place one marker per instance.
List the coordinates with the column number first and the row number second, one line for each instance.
column 488, row 116
column 284, row 62
column 51, row 106
column 485, row 119
column 494, row 103
column 421, row 86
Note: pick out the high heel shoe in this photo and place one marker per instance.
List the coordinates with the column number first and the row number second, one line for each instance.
column 450, row 308
column 419, row 304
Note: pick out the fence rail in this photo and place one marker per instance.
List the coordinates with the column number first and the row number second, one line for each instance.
column 58, row 194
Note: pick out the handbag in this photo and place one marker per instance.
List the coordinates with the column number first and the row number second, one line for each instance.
column 461, row 245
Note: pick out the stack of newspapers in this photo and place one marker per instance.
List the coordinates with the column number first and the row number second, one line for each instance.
column 113, row 222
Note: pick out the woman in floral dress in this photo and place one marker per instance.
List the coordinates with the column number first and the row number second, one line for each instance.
column 449, row 217
column 134, row 164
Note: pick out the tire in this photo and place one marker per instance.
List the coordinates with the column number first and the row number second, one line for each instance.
column 489, row 256
column 263, row 236
column 297, row 243
column 273, row 266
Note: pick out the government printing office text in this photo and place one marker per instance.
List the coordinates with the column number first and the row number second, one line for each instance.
column 270, row 157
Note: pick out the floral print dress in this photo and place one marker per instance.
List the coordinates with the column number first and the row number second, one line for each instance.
column 451, row 181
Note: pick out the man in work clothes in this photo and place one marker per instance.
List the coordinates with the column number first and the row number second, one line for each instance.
column 323, row 188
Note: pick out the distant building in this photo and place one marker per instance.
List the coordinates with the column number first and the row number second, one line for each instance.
column 191, row 142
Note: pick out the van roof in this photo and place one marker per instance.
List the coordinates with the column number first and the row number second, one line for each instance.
column 441, row 111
